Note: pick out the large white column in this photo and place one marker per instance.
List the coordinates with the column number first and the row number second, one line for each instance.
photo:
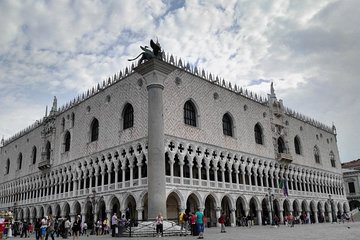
column 154, row 72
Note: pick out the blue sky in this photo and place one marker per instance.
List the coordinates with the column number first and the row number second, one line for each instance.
column 309, row 49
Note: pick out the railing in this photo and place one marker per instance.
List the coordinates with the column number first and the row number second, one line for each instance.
column 138, row 228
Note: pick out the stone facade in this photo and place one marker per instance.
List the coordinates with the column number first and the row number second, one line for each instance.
column 203, row 167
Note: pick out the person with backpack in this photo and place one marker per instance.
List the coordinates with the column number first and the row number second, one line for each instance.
column 183, row 219
column 221, row 220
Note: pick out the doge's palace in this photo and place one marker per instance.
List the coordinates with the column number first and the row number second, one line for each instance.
column 165, row 136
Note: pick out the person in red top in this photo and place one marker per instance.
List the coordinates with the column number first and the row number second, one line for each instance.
column 192, row 220
column 222, row 222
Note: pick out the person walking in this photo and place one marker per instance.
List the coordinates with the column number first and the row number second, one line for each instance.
column 50, row 231
column 24, row 231
column 67, row 228
column 43, row 228
column 37, row 226
column 114, row 222
column 221, row 220
column 84, row 228
column 199, row 223
column 76, row 227
column 183, row 220
column 249, row 220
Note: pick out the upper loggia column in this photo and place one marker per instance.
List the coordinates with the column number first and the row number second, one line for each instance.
column 155, row 72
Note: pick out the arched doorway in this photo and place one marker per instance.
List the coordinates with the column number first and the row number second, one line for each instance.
column 312, row 212
column 41, row 212
column 101, row 213
column 327, row 211
column 66, row 212
column 320, row 213
column 34, row 215
column 276, row 206
column 172, row 206
column 115, row 206
column 210, row 211
column 77, row 208
column 89, row 217
column 57, row 211
column 20, row 215
column 286, row 207
column 253, row 207
column 192, row 203
column 145, row 207
column 226, row 208
column 266, row 218
column 240, row 210
column 48, row 210
column 27, row 214
column 296, row 209
column 130, row 208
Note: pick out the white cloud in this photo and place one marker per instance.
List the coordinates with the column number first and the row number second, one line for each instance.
column 310, row 49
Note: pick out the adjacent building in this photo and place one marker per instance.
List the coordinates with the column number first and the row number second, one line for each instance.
column 351, row 174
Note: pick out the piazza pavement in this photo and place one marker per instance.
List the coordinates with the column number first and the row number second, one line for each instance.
column 325, row 231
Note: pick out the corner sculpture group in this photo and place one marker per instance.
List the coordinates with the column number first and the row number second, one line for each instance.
column 148, row 54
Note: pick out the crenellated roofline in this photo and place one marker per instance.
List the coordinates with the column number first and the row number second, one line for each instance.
column 185, row 66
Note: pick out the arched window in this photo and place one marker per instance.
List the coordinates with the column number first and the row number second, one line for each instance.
column 297, row 145
column 63, row 124
column 7, row 170
column 281, row 145
column 73, row 119
column 20, row 161
column 33, row 155
column 190, row 114
column 227, row 125
column 128, row 116
column 316, row 154
column 67, row 140
column 48, row 150
column 332, row 159
column 258, row 134
column 94, row 130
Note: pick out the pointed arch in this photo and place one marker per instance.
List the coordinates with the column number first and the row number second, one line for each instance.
column 7, row 169
column 48, row 150
column 34, row 154
column 128, row 116
column 281, row 145
column 193, row 201
column 228, row 125
column 178, row 196
column 297, row 145
column 19, row 161
column 67, row 140
column 190, row 113
column 94, row 130
column 258, row 131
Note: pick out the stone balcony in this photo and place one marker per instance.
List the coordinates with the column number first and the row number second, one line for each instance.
column 43, row 165
column 284, row 157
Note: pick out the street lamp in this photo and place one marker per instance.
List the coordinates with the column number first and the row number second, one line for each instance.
column 270, row 197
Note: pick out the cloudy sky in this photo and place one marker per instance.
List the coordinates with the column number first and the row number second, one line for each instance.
column 309, row 49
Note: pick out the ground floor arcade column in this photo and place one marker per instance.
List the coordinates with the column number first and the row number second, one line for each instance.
column 154, row 73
